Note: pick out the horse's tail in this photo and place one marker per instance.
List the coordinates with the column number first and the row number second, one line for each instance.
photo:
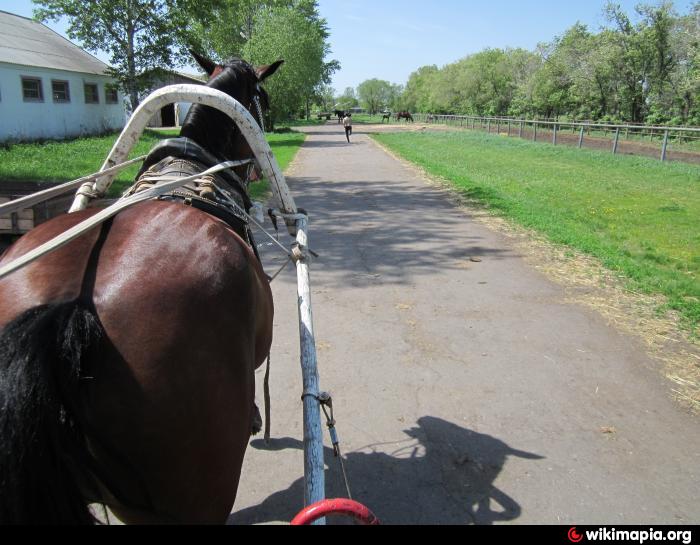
column 44, row 453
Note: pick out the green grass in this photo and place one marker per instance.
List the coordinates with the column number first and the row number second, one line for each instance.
column 61, row 161
column 284, row 146
column 640, row 217
column 57, row 161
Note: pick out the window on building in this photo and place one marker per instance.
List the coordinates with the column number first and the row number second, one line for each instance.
column 111, row 94
column 60, row 91
column 31, row 89
column 91, row 94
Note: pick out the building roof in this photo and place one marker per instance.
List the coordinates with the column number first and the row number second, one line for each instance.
column 27, row 42
column 168, row 76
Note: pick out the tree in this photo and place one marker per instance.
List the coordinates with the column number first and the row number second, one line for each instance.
column 396, row 102
column 325, row 97
column 139, row 35
column 374, row 94
column 347, row 100
column 417, row 92
column 636, row 65
column 262, row 31
column 684, row 100
column 645, row 69
column 298, row 36
column 235, row 26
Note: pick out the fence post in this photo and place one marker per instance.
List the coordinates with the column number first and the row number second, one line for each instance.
column 509, row 127
column 665, row 146
column 554, row 135
column 580, row 138
column 534, row 132
column 520, row 131
column 488, row 126
column 617, row 140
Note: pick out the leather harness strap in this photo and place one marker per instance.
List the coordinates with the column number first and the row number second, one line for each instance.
column 188, row 150
column 183, row 157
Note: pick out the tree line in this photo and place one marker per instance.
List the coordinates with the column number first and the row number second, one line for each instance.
column 643, row 68
column 145, row 36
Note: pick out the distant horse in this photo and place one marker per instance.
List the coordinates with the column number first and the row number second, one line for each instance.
column 127, row 357
column 404, row 115
column 340, row 114
column 386, row 117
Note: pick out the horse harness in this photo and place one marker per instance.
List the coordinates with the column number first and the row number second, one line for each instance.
column 223, row 195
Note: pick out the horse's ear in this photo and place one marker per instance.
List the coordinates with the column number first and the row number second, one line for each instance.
column 264, row 72
column 207, row 65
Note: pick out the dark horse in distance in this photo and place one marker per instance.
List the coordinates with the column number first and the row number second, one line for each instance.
column 404, row 115
column 127, row 357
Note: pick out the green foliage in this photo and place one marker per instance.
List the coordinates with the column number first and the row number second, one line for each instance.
column 375, row 95
column 263, row 31
column 62, row 161
column 139, row 35
column 347, row 100
column 645, row 69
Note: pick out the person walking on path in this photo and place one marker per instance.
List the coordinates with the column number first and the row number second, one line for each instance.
column 347, row 123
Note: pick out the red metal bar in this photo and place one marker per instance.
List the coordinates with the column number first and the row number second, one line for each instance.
column 348, row 508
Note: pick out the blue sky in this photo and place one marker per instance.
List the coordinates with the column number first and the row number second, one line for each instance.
column 389, row 39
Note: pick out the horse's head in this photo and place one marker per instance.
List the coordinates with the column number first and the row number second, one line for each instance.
column 214, row 130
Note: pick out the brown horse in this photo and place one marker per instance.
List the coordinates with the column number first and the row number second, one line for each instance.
column 127, row 357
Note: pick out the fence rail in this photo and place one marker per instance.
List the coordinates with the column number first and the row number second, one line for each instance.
column 638, row 139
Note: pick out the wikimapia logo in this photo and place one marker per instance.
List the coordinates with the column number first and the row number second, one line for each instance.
column 574, row 536
column 634, row 536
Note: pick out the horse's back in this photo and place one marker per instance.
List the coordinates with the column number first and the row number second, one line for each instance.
column 156, row 256
column 187, row 316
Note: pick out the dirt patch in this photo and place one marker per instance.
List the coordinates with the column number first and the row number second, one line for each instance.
column 402, row 127
column 625, row 147
column 588, row 283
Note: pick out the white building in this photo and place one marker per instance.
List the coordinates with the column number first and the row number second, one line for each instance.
column 171, row 115
column 51, row 88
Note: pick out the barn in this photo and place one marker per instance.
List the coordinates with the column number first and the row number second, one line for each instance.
column 50, row 88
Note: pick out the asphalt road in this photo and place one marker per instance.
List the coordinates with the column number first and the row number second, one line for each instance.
column 467, row 389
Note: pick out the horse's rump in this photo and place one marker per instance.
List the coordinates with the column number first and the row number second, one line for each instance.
column 186, row 312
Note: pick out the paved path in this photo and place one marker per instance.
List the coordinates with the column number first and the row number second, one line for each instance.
column 465, row 391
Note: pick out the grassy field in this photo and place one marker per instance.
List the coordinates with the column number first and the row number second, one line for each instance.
column 640, row 217
column 64, row 161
